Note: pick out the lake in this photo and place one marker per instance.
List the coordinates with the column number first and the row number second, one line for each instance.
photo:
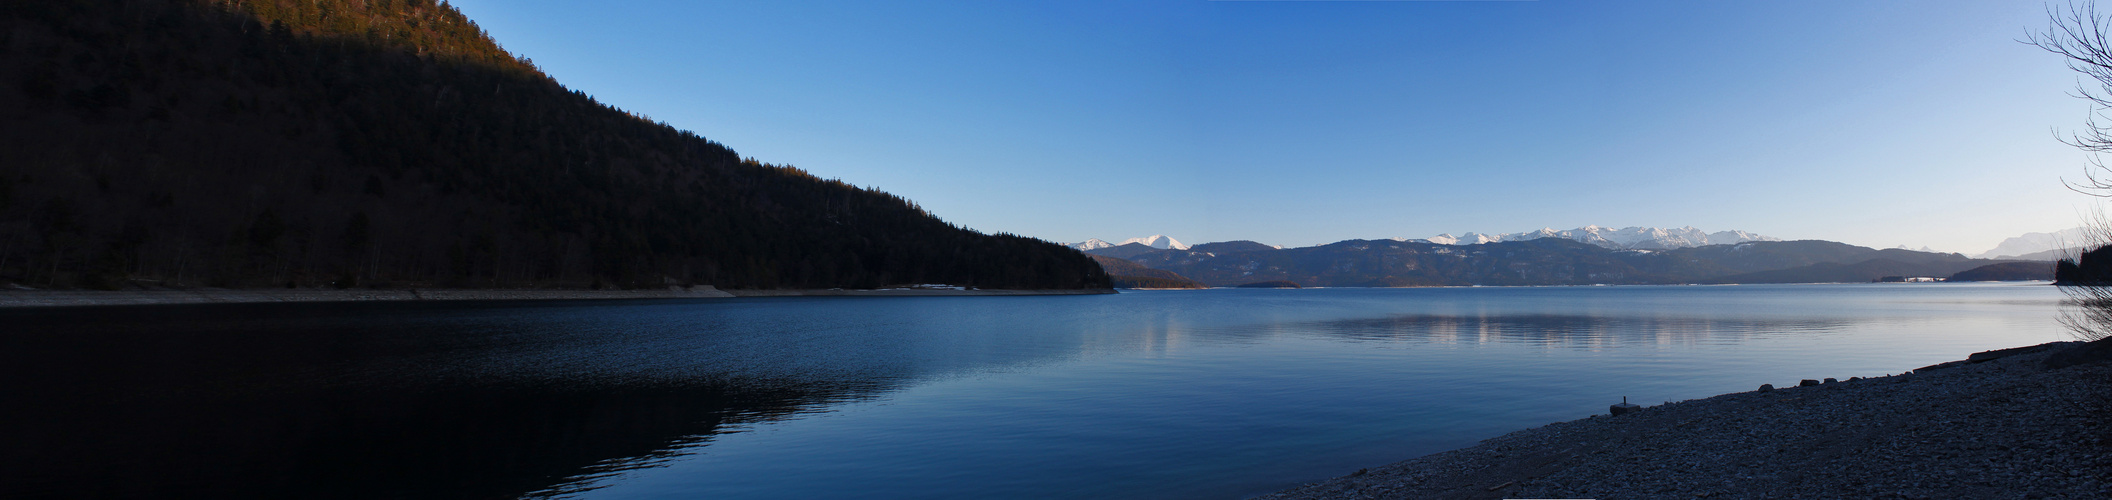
column 1153, row 394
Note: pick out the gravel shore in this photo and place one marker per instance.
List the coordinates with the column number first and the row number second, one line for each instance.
column 2017, row 423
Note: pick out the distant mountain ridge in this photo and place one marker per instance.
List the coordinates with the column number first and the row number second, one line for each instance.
column 1624, row 238
column 2026, row 245
column 2049, row 255
column 2008, row 271
column 1539, row 261
column 1634, row 237
column 1233, row 246
column 1862, row 267
column 1588, row 255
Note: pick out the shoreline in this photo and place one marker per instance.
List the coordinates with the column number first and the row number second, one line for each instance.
column 77, row 298
column 2026, row 422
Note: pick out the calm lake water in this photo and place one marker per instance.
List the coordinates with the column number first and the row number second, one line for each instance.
column 1173, row 394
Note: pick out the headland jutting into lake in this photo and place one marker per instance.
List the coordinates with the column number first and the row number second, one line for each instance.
column 59, row 298
column 2016, row 423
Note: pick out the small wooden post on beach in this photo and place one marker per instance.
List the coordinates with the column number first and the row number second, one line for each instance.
column 1623, row 408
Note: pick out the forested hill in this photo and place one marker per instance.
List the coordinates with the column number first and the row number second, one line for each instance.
column 391, row 142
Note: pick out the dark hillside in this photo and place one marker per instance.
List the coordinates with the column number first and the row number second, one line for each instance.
column 1858, row 272
column 1756, row 256
column 1125, row 251
column 318, row 142
column 1816, row 261
column 1127, row 274
column 1231, row 247
column 2008, row 271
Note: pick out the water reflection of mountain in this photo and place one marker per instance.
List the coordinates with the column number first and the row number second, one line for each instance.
column 390, row 401
column 1565, row 329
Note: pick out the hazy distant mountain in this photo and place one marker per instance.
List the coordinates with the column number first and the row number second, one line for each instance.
column 2049, row 255
column 2031, row 243
column 1158, row 241
column 1625, row 238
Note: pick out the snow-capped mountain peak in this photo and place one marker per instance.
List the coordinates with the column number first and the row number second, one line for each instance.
column 1091, row 244
column 1159, row 241
column 1624, row 238
column 1441, row 239
column 1449, row 239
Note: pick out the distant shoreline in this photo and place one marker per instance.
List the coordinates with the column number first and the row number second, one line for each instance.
column 1610, row 285
column 74, row 298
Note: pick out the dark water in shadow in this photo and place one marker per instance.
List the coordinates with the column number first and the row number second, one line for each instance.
column 1146, row 395
column 361, row 401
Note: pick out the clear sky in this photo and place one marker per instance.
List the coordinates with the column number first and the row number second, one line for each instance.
column 1878, row 123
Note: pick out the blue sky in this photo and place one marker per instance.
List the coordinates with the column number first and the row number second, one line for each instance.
column 1295, row 123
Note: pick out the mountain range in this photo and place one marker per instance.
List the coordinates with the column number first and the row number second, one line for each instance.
column 2029, row 245
column 1624, row 238
column 1540, row 261
column 1157, row 241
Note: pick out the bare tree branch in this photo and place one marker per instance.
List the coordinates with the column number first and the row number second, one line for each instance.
column 2083, row 38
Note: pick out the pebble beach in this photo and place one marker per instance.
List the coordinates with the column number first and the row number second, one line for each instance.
column 2033, row 422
